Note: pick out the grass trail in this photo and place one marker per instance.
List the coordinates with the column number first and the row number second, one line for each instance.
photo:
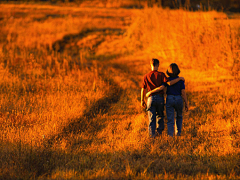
column 71, row 109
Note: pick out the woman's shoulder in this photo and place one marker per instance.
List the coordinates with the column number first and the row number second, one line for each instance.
column 172, row 78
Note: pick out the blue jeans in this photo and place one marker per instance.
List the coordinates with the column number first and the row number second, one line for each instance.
column 174, row 103
column 155, row 108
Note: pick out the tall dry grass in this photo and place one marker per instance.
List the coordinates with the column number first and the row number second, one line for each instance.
column 68, row 115
column 205, row 45
column 199, row 40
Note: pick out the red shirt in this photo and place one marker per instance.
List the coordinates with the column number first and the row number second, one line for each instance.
column 153, row 80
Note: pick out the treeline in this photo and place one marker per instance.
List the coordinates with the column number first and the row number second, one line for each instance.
column 220, row 5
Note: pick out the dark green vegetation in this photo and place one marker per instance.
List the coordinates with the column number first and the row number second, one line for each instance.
column 220, row 5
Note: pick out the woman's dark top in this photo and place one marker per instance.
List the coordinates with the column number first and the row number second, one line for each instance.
column 175, row 89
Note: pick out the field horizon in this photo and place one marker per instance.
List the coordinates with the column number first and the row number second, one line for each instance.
column 70, row 93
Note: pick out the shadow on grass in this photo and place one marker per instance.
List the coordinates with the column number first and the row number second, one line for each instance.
column 30, row 163
column 63, row 44
column 174, row 157
column 88, row 123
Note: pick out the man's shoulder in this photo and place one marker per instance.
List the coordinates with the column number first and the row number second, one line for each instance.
column 161, row 73
column 155, row 72
column 149, row 73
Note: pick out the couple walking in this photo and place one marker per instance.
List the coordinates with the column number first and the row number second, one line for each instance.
column 155, row 82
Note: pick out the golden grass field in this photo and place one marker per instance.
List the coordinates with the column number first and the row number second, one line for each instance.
column 70, row 80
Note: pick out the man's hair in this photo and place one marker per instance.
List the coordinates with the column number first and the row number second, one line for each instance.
column 173, row 70
column 154, row 62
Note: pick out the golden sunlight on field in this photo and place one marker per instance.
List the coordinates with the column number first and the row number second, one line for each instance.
column 70, row 80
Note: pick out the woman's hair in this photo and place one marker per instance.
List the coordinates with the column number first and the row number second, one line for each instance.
column 154, row 62
column 173, row 70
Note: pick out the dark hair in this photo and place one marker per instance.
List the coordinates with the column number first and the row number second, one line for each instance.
column 154, row 62
column 173, row 70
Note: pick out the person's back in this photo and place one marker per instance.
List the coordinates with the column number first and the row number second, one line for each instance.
column 174, row 102
column 153, row 80
column 175, row 89
column 155, row 103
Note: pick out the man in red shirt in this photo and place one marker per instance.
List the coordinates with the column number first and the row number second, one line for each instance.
column 155, row 102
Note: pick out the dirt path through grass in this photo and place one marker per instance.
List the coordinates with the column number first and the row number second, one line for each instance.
column 113, row 120
column 83, row 118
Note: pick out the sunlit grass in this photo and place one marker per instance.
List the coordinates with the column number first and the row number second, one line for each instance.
column 75, row 113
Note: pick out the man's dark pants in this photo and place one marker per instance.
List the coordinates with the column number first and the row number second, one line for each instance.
column 155, row 108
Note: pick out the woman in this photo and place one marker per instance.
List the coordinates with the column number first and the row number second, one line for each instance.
column 175, row 96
